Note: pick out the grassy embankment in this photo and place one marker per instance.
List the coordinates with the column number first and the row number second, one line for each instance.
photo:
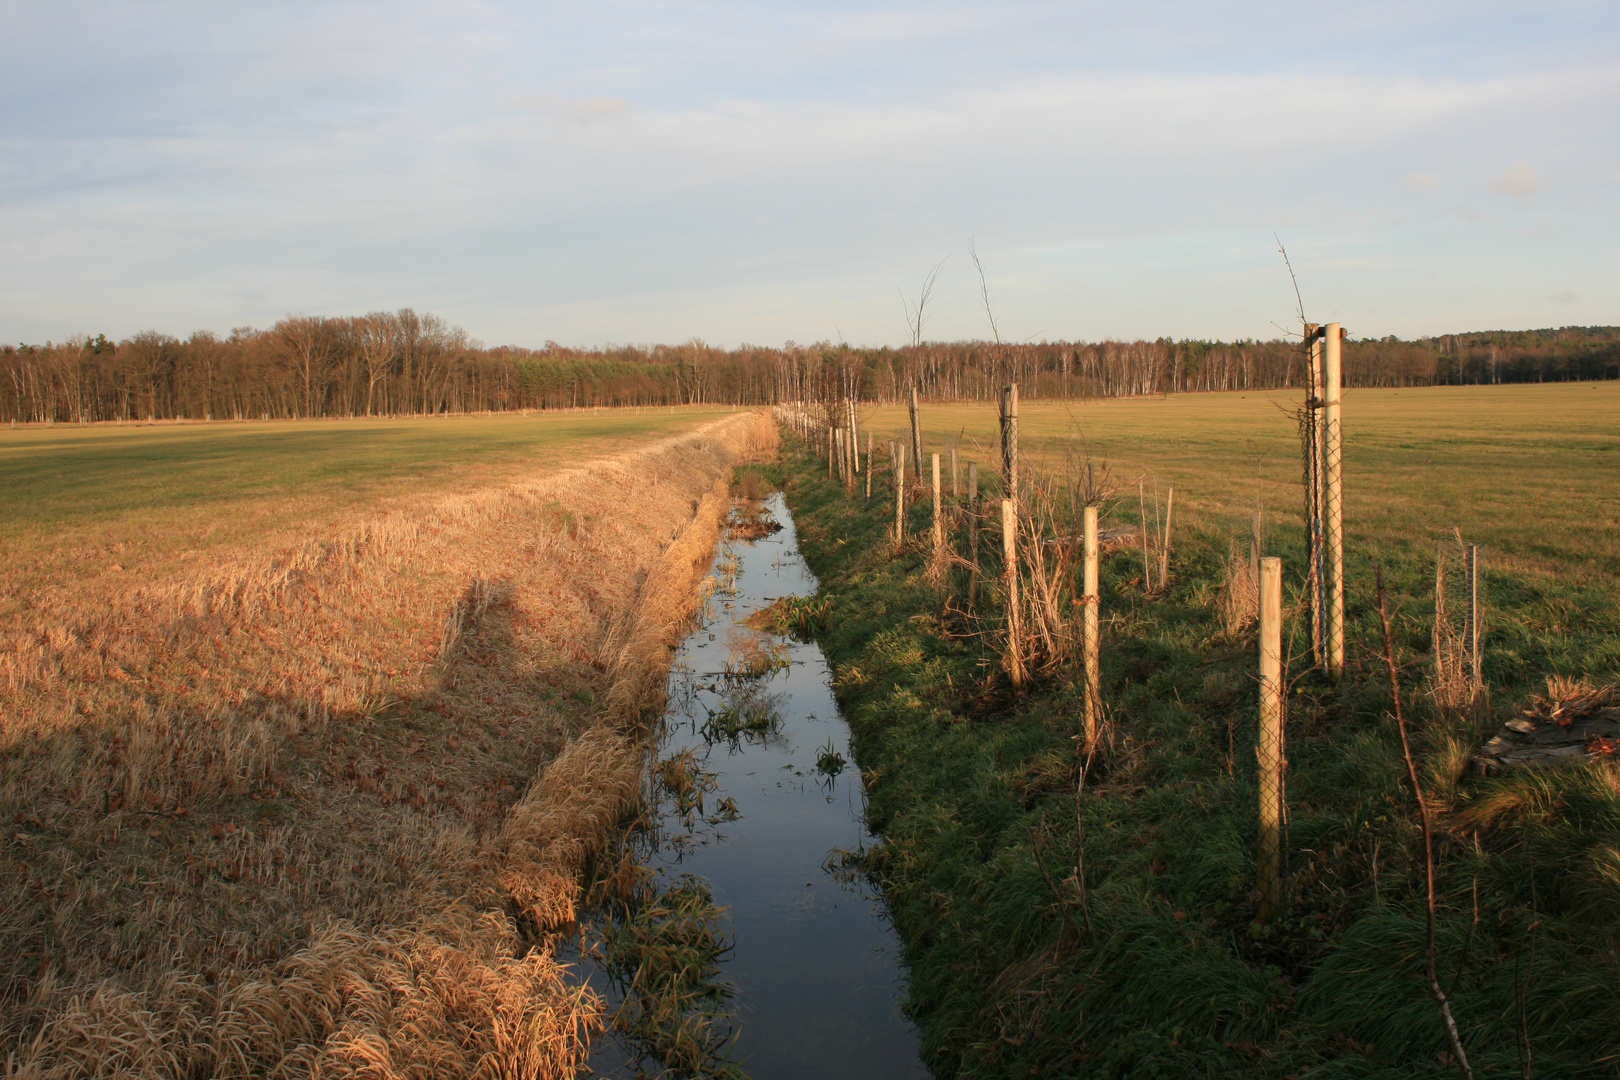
column 278, row 705
column 1147, row 965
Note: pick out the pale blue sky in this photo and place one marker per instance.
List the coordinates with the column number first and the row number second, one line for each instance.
column 640, row 172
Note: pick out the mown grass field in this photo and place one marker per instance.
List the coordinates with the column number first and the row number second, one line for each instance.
column 1529, row 471
column 76, row 500
column 1151, row 969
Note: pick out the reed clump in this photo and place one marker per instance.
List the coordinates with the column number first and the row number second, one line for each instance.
column 269, row 811
column 1238, row 602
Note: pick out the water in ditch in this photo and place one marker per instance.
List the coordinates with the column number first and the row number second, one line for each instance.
column 812, row 969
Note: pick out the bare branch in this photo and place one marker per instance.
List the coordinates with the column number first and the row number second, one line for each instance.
column 984, row 291
column 924, row 294
column 1299, row 303
column 912, row 327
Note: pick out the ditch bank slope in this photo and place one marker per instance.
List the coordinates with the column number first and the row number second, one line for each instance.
column 1144, row 963
column 305, row 811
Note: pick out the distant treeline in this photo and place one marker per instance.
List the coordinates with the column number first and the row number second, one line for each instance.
column 406, row 363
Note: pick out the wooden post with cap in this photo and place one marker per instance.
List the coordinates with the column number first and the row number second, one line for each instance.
column 1092, row 624
column 1270, row 748
column 1333, row 476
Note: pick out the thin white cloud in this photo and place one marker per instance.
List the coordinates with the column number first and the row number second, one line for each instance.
column 437, row 152
column 1523, row 181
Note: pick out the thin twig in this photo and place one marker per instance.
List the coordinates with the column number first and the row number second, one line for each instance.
column 1298, row 300
column 1521, row 1000
column 914, row 319
column 984, row 291
column 1428, row 837
column 1037, row 843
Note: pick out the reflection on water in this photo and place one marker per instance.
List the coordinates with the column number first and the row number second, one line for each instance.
column 757, row 786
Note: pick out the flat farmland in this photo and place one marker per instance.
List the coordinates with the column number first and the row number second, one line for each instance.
column 76, row 501
column 1530, row 471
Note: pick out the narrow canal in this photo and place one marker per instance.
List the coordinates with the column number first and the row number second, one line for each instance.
column 812, row 965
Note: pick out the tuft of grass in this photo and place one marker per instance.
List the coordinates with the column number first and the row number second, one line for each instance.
column 1238, row 599
column 800, row 618
column 829, row 762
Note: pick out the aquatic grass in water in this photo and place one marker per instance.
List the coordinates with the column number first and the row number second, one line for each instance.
column 663, row 952
column 799, row 618
column 829, row 762
column 682, row 778
column 754, row 721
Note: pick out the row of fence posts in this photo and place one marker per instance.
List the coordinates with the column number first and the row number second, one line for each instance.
column 836, row 427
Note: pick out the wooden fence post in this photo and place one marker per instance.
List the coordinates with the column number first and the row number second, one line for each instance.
column 939, row 517
column 852, row 453
column 1092, row 623
column 1475, row 657
column 899, row 496
column 973, row 531
column 868, row 464
column 1164, row 541
column 1009, row 555
column 956, row 488
column 1313, row 498
column 916, row 433
column 1009, row 442
column 1270, row 749
column 1146, row 534
column 854, row 436
column 1333, row 474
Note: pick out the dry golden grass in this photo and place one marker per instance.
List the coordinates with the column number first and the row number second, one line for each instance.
column 1514, row 467
column 1238, row 601
column 258, row 810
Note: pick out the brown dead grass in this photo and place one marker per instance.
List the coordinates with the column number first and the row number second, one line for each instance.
column 1238, row 602
column 264, row 817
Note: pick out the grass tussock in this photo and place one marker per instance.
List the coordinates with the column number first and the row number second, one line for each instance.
column 456, row 995
column 1238, row 602
column 564, row 818
column 267, row 813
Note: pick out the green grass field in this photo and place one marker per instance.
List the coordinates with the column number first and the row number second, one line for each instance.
column 74, row 500
column 1153, row 970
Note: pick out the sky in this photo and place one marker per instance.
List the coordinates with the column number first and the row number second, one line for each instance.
column 640, row 172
